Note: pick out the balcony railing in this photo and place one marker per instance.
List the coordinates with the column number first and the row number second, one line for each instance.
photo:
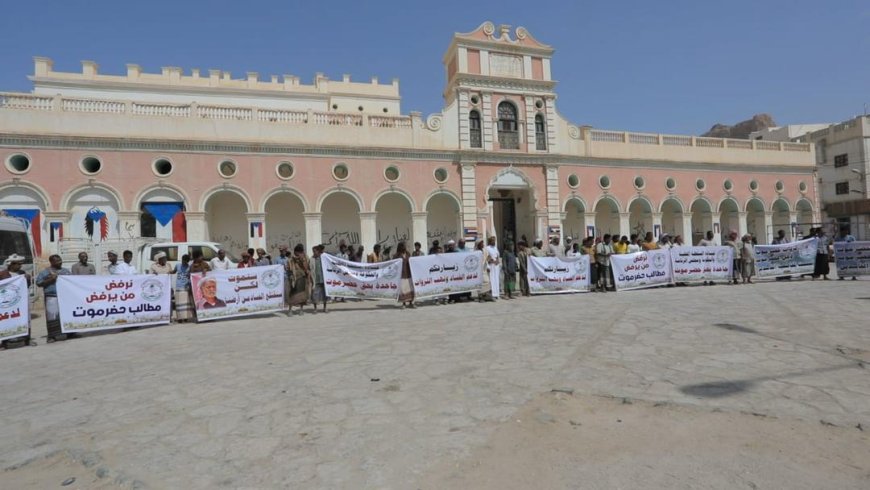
column 508, row 140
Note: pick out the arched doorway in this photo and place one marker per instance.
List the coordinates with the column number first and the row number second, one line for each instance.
column 226, row 221
column 606, row 217
column 393, row 222
column 285, row 222
column 574, row 224
column 24, row 202
column 512, row 201
column 702, row 219
column 162, row 215
column 443, row 219
column 93, row 215
column 729, row 216
column 804, row 217
column 640, row 216
column 755, row 220
column 339, row 220
column 781, row 218
column 672, row 218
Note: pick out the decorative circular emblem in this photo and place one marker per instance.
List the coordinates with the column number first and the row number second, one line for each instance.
column 472, row 263
column 433, row 122
column 152, row 289
column 573, row 132
column 659, row 261
column 10, row 295
column 722, row 256
column 580, row 266
column 271, row 279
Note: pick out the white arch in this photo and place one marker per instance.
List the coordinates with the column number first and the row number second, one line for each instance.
column 702, row 199
column 575, row 198
column 753, row 198
column 40, row 192
column 805, row 201
column 514, row 172
column 137, row 201
column 783, row 199
column 728, row 198
column 640, row 197
column 225, row 187
column 339, row 190
column 672, row 198
column 610, row 198
column 398, row 191
column 64, row 202
column 282, row 190
column 441, row 192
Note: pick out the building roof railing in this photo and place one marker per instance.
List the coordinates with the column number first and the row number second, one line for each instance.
column 598, row 135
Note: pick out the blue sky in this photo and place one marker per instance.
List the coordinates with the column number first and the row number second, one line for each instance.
column 671, row 66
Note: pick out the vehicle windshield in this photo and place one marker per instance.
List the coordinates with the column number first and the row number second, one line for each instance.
column 15, row 242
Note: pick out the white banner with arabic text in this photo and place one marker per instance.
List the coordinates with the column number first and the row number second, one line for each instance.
column 853, row 258
column 690, row 264
column 786, row 259
column 237, row 292
column 346, row 279
column 641, row 269
column 549, row 275
column 89, row 303
column 14, row 308
column 444, row 274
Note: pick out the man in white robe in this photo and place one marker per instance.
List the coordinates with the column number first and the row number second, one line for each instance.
column 493, row 263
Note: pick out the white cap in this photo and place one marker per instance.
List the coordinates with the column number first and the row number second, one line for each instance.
column 13, row 258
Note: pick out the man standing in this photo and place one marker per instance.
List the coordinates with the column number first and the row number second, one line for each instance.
column 538, row 249
column 221, row 262
column 47, row 280
column 737, row 245
column 603, row 251
column 263, row 258
column 318, row 292
column 523, row 268
column 554, row 249
column 845, row 237
column 649, row 242
column 82, row 267
column 116, row 268
column 780, row 238
column 493, row 264
column 707, row 241
column 13, row 265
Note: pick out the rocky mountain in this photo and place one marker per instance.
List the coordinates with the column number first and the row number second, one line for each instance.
column 742, row 129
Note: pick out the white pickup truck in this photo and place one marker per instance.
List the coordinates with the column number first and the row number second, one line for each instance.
column 175, row 250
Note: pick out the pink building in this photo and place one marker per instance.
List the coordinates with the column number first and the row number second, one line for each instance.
column 99, row 159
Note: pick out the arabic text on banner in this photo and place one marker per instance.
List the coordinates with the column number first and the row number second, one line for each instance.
column 559, row 274
column 786, row 259
column 641, row 269
column 346, row 279
column 237, row 292
column 853, row 258
column 691, row 264
column 89, row 303
column 443, row 274
column 14, row 308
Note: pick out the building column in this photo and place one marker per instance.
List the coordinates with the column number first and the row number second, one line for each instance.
column 313, row 229
column 687, row 229
column 554, row 208
column 657, row 220
column 792, row 224
column 256, row 230
column 129, row 226
column 624, row 225
column 196, row 226
column 716, row 223
column 741, row 225
column 768, row 226
column 368, row 229
column 542, row 220
column 419, row 229
column 588, row 220
column 470, row 231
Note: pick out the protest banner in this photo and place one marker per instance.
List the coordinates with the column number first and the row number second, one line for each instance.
column 444, row 274
column 641, row 269
column 346, row 279
column 237, row 292
column 549, row 275
column 14, row 308
column 852, row 258
column 89, row 303
column 692, row 264
column 786, row 259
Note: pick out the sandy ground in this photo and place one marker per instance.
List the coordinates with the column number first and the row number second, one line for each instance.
column 563, row 441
